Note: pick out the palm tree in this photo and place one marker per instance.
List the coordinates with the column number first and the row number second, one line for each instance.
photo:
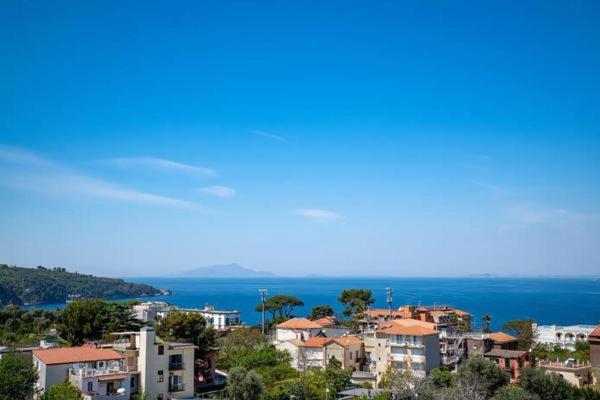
column 486, row 323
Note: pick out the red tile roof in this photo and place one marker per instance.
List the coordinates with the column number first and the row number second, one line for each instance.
column 595, row 332
column 414, row 322
column 69, row 355
column 501, row 353
column 343, row 341
column 409, row 330
column 299, row 323
column 317, row 342
column 326, row 321
column 501, row 337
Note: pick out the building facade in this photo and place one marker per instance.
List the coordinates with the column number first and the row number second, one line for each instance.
column 100, row 374
column 594, row 341
column 407, row 349
column 563, row 336
column 217, row 319
column 152, row 311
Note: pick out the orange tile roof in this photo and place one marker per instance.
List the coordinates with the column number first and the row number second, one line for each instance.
column 326, row 321
column 461, row 313
column 348, row 340
column 113, row 377
column 595, row 332
column 343, row 341
column 299, row 323
column 409, row 330
column 295, row 342
column 414, row 322
column 68, row 355
column 501, row 337
column 317, row 342
column 501, row 353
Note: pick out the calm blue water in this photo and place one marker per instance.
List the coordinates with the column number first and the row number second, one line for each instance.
column 546, row 300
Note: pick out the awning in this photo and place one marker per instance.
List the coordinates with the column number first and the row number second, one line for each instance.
column 118, row 377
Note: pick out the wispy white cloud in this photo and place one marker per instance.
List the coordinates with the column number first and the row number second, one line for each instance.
column 161, row 164
column 219, row 191
column 270, row 136
column 26, row 171
column 318, row 214
column 496, row 190
column 525, row 216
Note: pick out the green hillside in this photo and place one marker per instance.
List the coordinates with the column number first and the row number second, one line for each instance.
column 42, row 285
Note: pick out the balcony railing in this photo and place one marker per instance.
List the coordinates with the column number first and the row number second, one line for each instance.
column 176, row 366
column 179, row 387
column 92, row 372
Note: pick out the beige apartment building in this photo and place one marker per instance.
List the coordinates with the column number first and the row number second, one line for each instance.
column 405, row 348
column 162, row 370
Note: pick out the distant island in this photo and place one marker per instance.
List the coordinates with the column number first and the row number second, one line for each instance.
column 226, row 271
column 31, row 286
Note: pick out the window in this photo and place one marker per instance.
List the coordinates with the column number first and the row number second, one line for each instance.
column 161, row 350
column 350, row 356
column 161, row 376
column 507, row 362
column 132, row 381
column 90, row 386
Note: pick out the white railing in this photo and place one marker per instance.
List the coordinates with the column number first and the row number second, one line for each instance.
column 91, row 372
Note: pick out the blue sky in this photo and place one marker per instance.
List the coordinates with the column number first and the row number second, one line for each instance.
column 384, row 138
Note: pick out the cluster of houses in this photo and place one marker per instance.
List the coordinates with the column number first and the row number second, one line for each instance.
column 416, row 340
column 411, row 340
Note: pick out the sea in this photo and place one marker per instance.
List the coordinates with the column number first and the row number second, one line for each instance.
column 560, row 301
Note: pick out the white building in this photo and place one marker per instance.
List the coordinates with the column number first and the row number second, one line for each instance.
column 152, row 311
column 297, row 328
column 217, row 319
column 100, row 374
column 564, row 336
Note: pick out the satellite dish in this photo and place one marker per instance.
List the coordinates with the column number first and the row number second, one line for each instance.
column 121, row 391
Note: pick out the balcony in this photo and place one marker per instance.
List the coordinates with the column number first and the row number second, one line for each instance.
column 176, row 366
column 176, row 387
column 413, row 345
column 111, row 369
column 94, row 396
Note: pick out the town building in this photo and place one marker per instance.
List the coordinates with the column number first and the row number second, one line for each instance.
column 511, row 361
column 404, row 345
column 100, row 374
column 499, row 347
column 297, row 328
column 310, row 346
column 217, row 319
column 576, row 373
column 316, row 352
column 162, row 370
column 449, row 321
column 152, row 311
column 594, row 341
column 563, row 336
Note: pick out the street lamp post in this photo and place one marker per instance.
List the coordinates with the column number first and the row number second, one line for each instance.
column 389, row 293
column 263, row 296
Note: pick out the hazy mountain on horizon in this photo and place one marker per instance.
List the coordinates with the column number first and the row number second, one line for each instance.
column 226, row 271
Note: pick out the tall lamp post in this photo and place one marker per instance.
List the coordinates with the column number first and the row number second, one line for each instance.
column 389, row 292
column 263, row 296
